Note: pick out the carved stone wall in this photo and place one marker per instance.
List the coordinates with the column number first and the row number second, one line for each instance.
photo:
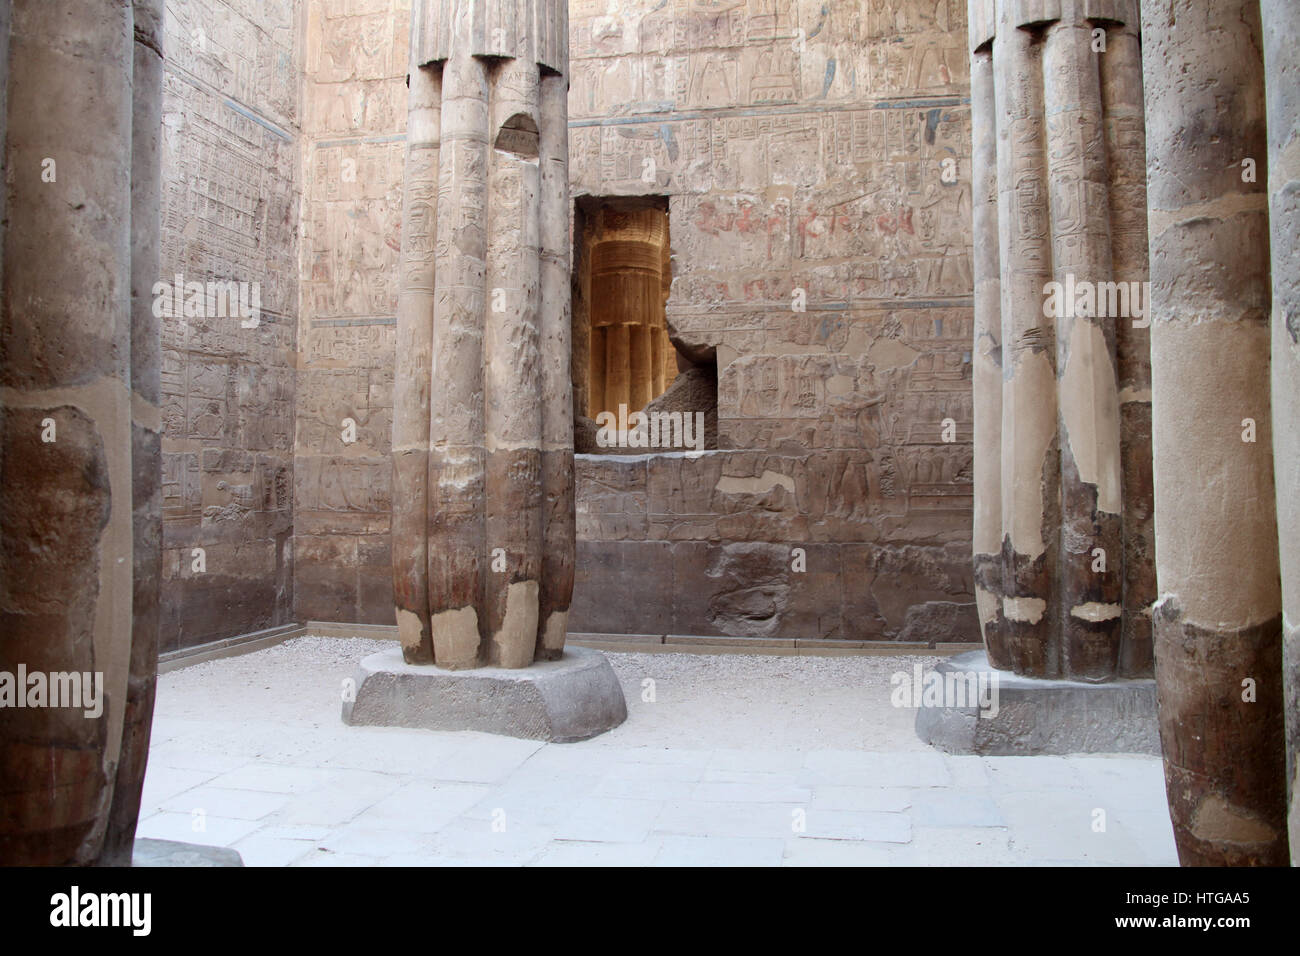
column 230, row 154
column 816, row 160
column 800, row 149
column 354, row 122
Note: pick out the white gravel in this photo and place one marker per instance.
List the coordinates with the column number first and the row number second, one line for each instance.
column 696, row 701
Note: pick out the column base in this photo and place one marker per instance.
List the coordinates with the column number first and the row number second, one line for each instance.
column 173, row 853
column 574, row 698
column 1036, row 716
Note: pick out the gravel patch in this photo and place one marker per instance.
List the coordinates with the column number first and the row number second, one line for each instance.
column 693, row 701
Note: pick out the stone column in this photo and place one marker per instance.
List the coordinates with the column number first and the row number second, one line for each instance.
column 512, row 363
column 74, row 430
column 1051, row 441
column 618, row 366
column 657, row 383
column 596, row 375
column 1281, row 22
column 489, row 114
column 1125, row 133
column 559, row 518
column 146, row 426
column 412, row 379
column 640, row 364
column 987, row 354
column 1218, row 621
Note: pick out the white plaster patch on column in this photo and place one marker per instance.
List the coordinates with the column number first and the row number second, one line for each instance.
column 1028, row 394
column 1095, row 612
column 1217, row 820
column 518, row 637
column 1090, row 408
column 1131, row 394
column 1024, row 610
column 409, row 628
column 555, row 630
column 455, row 636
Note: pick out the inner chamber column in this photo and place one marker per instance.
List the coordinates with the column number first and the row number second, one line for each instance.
column 1218, row 620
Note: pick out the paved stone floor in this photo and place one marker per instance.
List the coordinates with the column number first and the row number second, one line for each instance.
column 735, row 760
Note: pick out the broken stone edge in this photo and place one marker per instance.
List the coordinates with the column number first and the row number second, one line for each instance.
column 148, row 852
column 1037, row 717
column 574, row 698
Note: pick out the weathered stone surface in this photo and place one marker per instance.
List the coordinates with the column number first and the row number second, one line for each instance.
column 1056, row 598
column 79, row 508
column 171, row 853
column 1281, row 23
column 231, row 191
column 780, row 168
column 483, row 535
column 1036, row 716
column 569, row 698
column 1218, row 626
column 146, row 427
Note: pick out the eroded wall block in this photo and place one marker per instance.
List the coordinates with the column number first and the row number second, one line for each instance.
column 483, row 533
column 1218, row 624
column 1281, row 23
column 1062, row 475
column 79, row 437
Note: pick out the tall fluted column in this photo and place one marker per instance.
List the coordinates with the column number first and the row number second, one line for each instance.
column 596, row 372
column 1052, row 117
column 491, row 301
column 1090, row 604
column 1218, row 621
column 146, row 426
column 640, row 363
column 79, row 434
column 412, row 377
column 618, row 366
column 559, row 518
column 1281, row 22
column 987, row 354
column 1031, row 476
column 1125, row 132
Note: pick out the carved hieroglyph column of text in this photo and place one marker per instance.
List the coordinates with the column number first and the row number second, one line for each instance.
column 1281, row 22
column 1052, row 112
column 76, row 427
column 1218, row 620
column 483, row 537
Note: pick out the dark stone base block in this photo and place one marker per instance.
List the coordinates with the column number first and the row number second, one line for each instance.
column 1043, row 716
column 571, row 699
